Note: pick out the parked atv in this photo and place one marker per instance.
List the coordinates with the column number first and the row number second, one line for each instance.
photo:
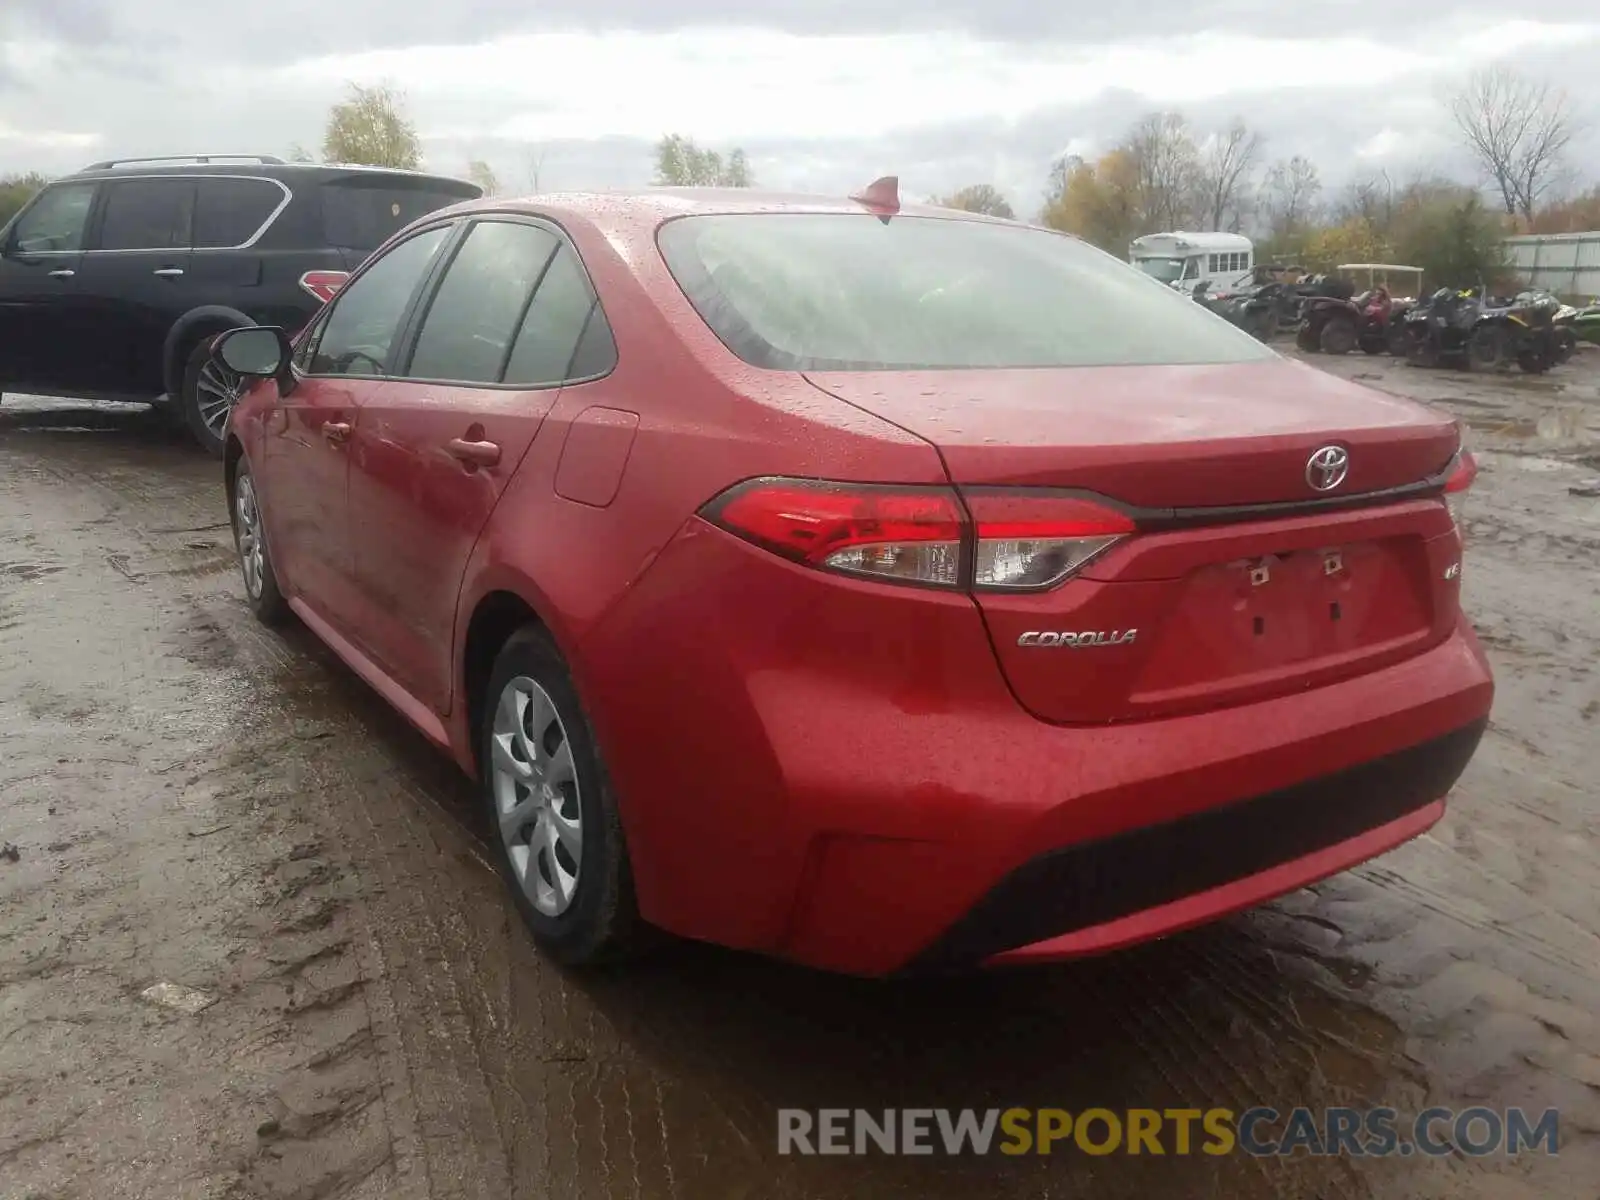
column 1441, row 328
column 1479, row 332
column 1329, row 319
column 1381, row 325
column 1253, row 308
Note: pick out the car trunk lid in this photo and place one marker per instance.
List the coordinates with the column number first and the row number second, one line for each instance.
column 1243, row 579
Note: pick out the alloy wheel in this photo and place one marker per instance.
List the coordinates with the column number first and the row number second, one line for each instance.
column 252, row 556
column 536, row 796
column 216, row 392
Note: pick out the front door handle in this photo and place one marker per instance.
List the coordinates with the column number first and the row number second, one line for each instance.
column 168, row 272
column 474, row 454
column 64, row 273
column 337, row 432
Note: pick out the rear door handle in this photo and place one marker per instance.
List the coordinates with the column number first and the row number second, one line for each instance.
column 64, row 273
column 476, row 454
column 168, row 272
column 337, row 432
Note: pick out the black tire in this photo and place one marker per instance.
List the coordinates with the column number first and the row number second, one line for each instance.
column 1533, row 362
column 261, row 590
column 197, row 402
column 1421, row 351
column 1306, row 337
column 1486, row 350
column 1338, row 335
column 600, row 923
column 1399, row 343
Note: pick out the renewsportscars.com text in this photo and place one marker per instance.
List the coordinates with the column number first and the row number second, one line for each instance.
column 1261, row 1131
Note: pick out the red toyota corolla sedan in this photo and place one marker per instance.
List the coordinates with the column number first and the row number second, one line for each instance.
column 889, row 589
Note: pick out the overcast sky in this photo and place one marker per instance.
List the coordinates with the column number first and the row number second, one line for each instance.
column 824, row 94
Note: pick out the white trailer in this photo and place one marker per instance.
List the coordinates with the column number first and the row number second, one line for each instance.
column 1185, row 259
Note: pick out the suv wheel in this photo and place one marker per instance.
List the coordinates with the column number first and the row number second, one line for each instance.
column 555, row 823
column 209, row 393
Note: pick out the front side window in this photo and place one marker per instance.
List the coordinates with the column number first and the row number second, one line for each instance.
column 147, row 214
column 55, row 221
column 466, row 335
column 358, row 335
column 847, row 291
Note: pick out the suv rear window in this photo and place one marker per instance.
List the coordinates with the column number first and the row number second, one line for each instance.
column 363, row 213
column 848, row 291
column 229, row 212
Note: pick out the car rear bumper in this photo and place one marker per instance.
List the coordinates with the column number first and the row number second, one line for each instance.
column 1111, row 891
column 841, row 777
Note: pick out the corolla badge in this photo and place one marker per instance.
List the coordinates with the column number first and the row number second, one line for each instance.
column 1327, row 467
column 1093, row 637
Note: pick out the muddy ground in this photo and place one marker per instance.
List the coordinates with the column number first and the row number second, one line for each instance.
column 198, row 801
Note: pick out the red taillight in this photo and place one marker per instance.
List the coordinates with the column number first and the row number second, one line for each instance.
column 911, row 534
column 923, row 535
column 323, row 284
column 1462, row 474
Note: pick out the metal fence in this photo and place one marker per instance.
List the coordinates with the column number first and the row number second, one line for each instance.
column 1567, row 264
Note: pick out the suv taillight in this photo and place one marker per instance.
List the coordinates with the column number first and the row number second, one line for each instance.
column 998, row 540
column 323, row 284
column 1462, row 473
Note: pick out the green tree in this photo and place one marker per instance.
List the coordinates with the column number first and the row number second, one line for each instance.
column 372, row 128
column 1099, row 201
column 1451, row 235
column 17, row 190
column 681, row 163
column 979, row 198
column 482, row 174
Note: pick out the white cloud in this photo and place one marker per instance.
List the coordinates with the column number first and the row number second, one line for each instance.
column 732, row 84
column 46, row 139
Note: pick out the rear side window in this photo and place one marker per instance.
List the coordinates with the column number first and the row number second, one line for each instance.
column 847, row 291
column 147, row 214
column 229, row 212
column 56, row 220
column 565, row 335
column 466, row 335
column 362, row 213
column 358, row 335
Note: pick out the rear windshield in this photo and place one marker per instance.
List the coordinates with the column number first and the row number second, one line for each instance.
column 846, row 291
column 362, row 213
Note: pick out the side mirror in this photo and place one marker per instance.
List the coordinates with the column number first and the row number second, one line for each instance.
column 256, row 352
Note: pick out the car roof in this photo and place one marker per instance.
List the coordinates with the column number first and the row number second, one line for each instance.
column 637, row 212
column 251, row 166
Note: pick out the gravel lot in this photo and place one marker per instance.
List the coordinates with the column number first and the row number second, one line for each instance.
column 194, row 800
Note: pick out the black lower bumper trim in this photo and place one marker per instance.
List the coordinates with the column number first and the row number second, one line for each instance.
column 1090, row 883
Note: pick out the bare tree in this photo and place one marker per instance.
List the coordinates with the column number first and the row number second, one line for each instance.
column 535, row 166
column 1166, row 165
column 1518, row 129
column 1290, row 194
column 1227, row 158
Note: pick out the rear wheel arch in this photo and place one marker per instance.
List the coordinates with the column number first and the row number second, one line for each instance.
column 187, row 332
column 496, row 617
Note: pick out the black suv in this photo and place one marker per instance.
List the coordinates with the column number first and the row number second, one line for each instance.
column 114, row 281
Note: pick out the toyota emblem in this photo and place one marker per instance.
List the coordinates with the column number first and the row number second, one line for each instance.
column 1327, row 467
